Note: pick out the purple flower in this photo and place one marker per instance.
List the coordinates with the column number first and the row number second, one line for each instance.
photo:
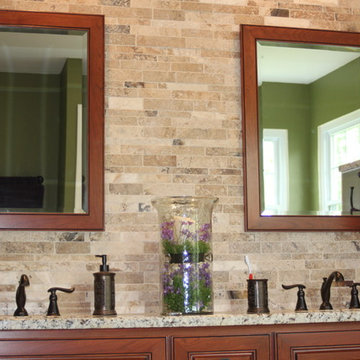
column 187, row 233
column 186, row 223
column 204, row 273
column 204, row 232
column 168, row 289
column 167, row 232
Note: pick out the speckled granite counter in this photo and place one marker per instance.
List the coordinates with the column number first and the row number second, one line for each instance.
column 141, row 321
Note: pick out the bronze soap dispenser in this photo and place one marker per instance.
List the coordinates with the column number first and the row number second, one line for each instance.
column 104, row 290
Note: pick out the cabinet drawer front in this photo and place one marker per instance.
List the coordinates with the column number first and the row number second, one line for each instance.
column 329, row 345
column 76, row 357
column 222, row 348
column 80, row 349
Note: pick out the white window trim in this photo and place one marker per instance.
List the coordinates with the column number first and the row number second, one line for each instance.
column 281, row 137
column 324, row 132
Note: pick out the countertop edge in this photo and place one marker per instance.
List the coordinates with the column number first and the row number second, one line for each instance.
column 154, row 321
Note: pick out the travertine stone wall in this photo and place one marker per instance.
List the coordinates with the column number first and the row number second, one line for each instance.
column 173, row 128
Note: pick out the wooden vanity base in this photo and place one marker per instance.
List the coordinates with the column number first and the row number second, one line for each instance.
column 328, row 341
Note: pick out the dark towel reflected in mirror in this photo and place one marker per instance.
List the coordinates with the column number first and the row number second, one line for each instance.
column 21, row 192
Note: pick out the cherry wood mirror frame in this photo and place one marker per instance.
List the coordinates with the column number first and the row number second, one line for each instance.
column 254, row 221
column 94, row 218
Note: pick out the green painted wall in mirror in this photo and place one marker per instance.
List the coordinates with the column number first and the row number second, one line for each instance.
column 301, row 108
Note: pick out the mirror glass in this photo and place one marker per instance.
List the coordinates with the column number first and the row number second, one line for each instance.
column 309, row 127
column 43, row 120
column 51, row 121
column 301, row 128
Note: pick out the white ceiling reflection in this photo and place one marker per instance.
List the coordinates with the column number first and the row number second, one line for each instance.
column 299, row 65
column 38, row 53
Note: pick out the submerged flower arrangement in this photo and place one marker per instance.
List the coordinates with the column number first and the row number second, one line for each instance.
column 182, row 236
column 185, row 232
column 187, row 288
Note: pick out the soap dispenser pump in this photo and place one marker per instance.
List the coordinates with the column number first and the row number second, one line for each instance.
column 104, row 289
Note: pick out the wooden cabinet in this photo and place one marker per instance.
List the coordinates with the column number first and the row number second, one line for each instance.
column 316, row 345
column 331, row 341
column 255, row 347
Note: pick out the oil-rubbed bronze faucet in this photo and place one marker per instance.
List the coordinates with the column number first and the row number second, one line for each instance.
column 325, row 288
column 53, row 306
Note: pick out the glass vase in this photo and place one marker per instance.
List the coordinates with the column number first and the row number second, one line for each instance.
column 185, row 232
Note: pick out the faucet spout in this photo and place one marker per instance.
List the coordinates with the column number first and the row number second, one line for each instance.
column 325, row 289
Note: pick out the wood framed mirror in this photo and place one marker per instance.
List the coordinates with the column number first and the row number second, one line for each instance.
column 301, row 129
column 51, row 121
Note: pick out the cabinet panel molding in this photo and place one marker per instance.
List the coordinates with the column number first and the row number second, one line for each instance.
column 86, row 357
column 329, row 345
column 223, row 348
column 94, row 349
column 238, row 355
column 328, row 353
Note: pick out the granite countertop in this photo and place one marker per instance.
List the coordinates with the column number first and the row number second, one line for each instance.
column 143, row 321
column 350, row 166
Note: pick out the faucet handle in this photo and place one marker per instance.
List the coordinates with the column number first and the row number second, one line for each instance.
column 288, row 287
column 54, row 289
column 301, row 303
column 354, row 302
column 53, row 307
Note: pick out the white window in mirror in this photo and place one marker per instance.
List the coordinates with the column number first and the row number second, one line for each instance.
column 338, row 144
column 275, row 171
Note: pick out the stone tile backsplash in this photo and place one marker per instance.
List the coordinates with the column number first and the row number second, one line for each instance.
column 172, row 93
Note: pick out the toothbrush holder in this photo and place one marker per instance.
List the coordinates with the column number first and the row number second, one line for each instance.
column 257, row 296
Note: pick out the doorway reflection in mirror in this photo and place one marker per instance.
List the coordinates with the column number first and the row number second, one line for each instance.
column 43, row 77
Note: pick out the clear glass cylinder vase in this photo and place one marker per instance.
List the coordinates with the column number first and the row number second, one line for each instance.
column 185, row 232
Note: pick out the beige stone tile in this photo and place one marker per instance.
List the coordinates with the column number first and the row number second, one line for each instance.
column 126, row 189
column 316, row 2
column 318, row 15
column 26, row 247
column 169, row 189
column 201, row 162
column 159, row 76
column 197, row 6
column 72, row 248
column 200, row 33
column 186, row 87
column 287, row 22
column 206, row 134
column 126, row 103
column 197, row 179
column 156, row 104
column 124, row 39
column 162, row 14
column 188, row 150
column 351, row 4
column 160, row 41
column 159, row 160
column 187, row 67
column 200, row 78
column 120, row 160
